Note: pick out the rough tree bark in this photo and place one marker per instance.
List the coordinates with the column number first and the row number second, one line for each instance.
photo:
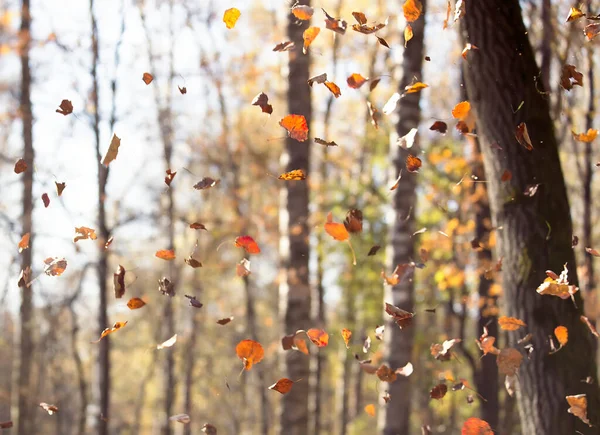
column 295, row 293
column 26, row 345
column 536, row 229
column 394, row 417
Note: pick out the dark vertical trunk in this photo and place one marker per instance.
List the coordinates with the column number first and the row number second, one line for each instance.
column 295, row 294
column 536, row 230
column 26, row 345
column 102, row 387
column 394, row 417
column 546, row 43
column 81, row 377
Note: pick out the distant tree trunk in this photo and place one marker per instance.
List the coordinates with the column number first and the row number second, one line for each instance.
column 7, row 350
column 103, row 381
column 394, row 417
column 81, row 377
column 535, row 231
column 546, row 44
column 295, row 294
column 190, row 359
column 26, row 345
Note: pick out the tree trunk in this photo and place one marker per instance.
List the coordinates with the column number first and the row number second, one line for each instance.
column 295, row 294
column 190, row 360
column 7, row 349
column 26, row 345
column 82, row 384
column 394, row 417
column 534, row 232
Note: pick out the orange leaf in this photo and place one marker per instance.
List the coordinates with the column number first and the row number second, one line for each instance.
column 83, row 233
column 165, row 254
column 249, row 351
column 230, row 17
column 461, row 110
column 295, row 175
column 24, row 243
column 318, row 337
column 333, row 88
column 55, row 266
column 412, row 10
column 414, row 88
column 336, row 230
column 562, row 335
column 588, row 136
column 355, row 81
column 116, row 327
column 476, row 426
column 346, row 335
column 147, row 78
column 386, row 374
column 303, row 12
column 558, row 286
column 413, row 163
column 135, row 303
column 309, row 36
column 20, row 166
column 578, row 407
column 591, row 31
column 248, row 243
column 296, row 126
column 522, row 136
column 370, row 409
column 283, row 386
column 510, row 323
column 468, row 47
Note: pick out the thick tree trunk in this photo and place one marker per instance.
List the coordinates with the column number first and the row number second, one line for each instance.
column 26, row 345
column 534, row 232
column 394, row 417
column 295, row 294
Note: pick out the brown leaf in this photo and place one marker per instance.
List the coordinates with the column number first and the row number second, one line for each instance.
column 147, row 78
column 55, row 266
column 374, row 114
column 373, row 250
column 60, row 187
column 283, row 385
column 522, row 136
column 262, row 100
column 250, row 352
column 84, row 233
column 198, row 226
column 225, row 321
column 183, row 90
column 192, row 262
column 135, row 303
column 20, row 166
column 382, row 41
column 6, row 424
column 336, row 24
column 441, row 352
column 366, row 29
column 413, row 163
column 578, row 407
column 509, row 360
column 169, row 177
column 374, row 84
column 194, row 302
column 591, row 31
column 439, row 126
column 166, row 287
column 591, row 327
column 325, row 143
column 569, row 77
column 438, row 392
column 50, row 409
column 119, row 282
column 46, row 200
column 65, row 108
column 24, row 242
column 401, row 317
column 360, row 17
column 116, row 327
column 206, row 183
column 209, row 429
column 354, row 221
column 284, row 46
column 386, row 374
column 113, row 150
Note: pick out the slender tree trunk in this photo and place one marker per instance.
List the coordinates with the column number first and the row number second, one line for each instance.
column 81, row 382
column 394, row 417
column 295, row 293
column 7, row 348
column 536, row 230
column 103, row 381
column 190, row 360
column 26, row 345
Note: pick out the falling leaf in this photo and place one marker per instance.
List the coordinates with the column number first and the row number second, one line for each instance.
column 209, row 429
column 370, row 410
column 405, row 371
column 412, row 10
column 169, row 177
column 578, row 407
column 366, row 344
column 284, row 46
column 296, row 126
column 46, row 200
column 408, row 140
column 438, row 392
column 318, row 337
column 379, row 331
column 587, row 137
column 439, row 126
column 243, row 268
column 467, row 49
column 320, row 79
column 593, row 252
column 303, row 12
column 386, row 374
column 24, row 242
column 355, row 81
column 460, row 10
column 248, row 243
column 55, row 266
column 170, row 342
column 373, row 250
column 509, row 360
column 206, row 183
column 20, row 166
column 360, row 17
column 24, row 277
column 283, row 386
column 390, row 106
column 591, row 31
column 408, row 34
column 181, row 418
column 374, row 114
column 113, row 150
column 192, row 262
column 441, row 352
column 346, row 335
column 336, row 24
column 506, row 176
column 183, row 90
column 147, row 78
column 198, row 226
column 461, row 110
column 382, row 41
column 194, row 302
column 522, row 136
column 50, row 409
column 415, row 87
column 224, row 321
column 558, row 286
column 119, row 282
column 374, row 84
column 476, row 426
column 309, row 36
column 354, row 221
column 249, row 351
column 262, row 100
column 397, row 182
column 83, row 233
column 6, row 424
column 397, row 275
column 59, row 188
column 562, row 335
column 413, row 163
column 336, row 230
column 334, row 89
column 574, row 14
column 363, row 27
column 230, row 17
column 295, row 175
column 570, row 77
column 591, row 327
column 325, row 143
column 65, row 108
column 402, row 318
column 135, row 303
column 165, row 254
column 116, row 327
column 510, row 323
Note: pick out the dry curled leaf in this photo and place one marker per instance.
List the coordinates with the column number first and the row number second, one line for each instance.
column 574, row 14
column 402, row 318
column 318, row 337
column 295, row 175
column 113, row 150
column 194, row 302
column 320, row 79
column 60, row 187
column 578, row 407
column 83, row 233
column 373, row 250
column 334, row 89
column 325, row 143
column 386, row 374
column 50, row 409
column 413, row 163
column 441, row 352
column 262, row 101
column 439, row 126
column 296, row 126
column 509, row 360
column 283, row 385
column 438, row 392
column 591, row 31
column 391, row 103
column 46, row 200
column 65, row 108
column 346, row 335
column 354, row 221
column 55, row 266
column 284, row 46
column 119, row 282
column 169, row 177
column 206, row 183
column 209, row 429
column 522, row 136
column 558, row 286
column 336, row 24
column 250, row 352
column 405, row 371
column 166, row 287
column 569, row 77
column 198, row 226
column 224, row 321
column 589, row 324
column 116, row 327
column 248, row 243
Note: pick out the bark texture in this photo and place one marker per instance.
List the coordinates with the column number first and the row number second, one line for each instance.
column 536, row 230
column 394, row 417
column 295, row 293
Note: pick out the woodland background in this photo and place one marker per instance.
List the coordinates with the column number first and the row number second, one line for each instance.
column 94, row 54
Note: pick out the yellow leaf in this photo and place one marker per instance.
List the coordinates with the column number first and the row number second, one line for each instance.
column 574, row 14
column 408, row 34
column 411, row 89
column 230, row 17
column 588, row 136
column 309, row 36
column 510, row 323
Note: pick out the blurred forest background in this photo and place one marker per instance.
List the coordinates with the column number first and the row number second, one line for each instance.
column 256, row 256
